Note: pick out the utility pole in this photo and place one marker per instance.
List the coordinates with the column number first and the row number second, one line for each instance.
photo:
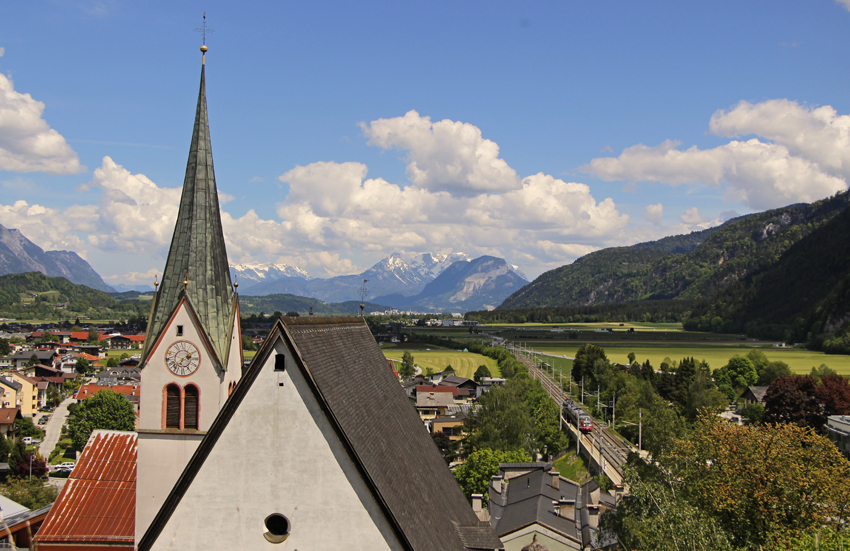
column 640, row 429
column 614, row 411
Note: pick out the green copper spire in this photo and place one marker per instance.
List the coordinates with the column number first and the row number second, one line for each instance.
column 197, row 254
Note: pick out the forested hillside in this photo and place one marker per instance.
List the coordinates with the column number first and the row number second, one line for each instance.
column 719, row 258
column 35, row 295
column 806, row 292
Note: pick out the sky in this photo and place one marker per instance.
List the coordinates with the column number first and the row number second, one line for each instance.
column 345, row 131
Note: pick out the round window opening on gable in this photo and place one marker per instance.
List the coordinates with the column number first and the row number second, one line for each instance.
column 278, row 528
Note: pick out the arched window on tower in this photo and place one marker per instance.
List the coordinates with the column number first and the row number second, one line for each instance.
column 190, row 407
column 172, row 407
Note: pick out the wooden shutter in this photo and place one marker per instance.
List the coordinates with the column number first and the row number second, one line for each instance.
column 172, row 407
column 190, row 408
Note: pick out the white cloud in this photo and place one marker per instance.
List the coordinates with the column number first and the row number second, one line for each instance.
column 692, row 217
column 444, row 156
column 2, row 51
column 807, row 159
column 845, row 3
column 136, row 278
column 654, row 213
column 27, row 143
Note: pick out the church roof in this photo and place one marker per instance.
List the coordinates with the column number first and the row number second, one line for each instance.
column 197, row 254
column 377, row 425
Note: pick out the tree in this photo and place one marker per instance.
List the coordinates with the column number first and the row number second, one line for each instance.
column 248, row 343
column 33, row 360
column 4, row 347
column 833, row 393
column 112, row 362
column 5, row 447
column 822, row 371
column 586, row 357
column 481, row 466
column 408, row 368
column 480, row 373
column 742, row 372
column 32, row 495
column 762, row 484
column 105, row 410
column 292, row 314
column 93, row 335
column 449, row 368
column 447, row 446
column 773, row 371
column 31, row 464
column 793, row 399
column 82, row 366
column 759, row 360
column 26, row 427
column 632, row 357
column 753, row 411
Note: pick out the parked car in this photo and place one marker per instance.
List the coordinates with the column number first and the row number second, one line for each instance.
column 65, row 467
column 27, row 440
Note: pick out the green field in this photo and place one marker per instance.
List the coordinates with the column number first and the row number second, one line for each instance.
column 637, row 326
column 464, row 363
column 799, row 360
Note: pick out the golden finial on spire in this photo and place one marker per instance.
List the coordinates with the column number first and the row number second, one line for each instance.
column 186, row 281
column 203, row 29
column 155, row 283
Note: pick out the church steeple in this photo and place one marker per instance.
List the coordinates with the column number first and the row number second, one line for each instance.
column 197, row 266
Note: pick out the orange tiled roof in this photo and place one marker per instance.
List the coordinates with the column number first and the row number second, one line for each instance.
column 98, row 503
column 90, row 389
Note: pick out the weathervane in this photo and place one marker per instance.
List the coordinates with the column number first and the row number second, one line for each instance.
column 364, row 292
column 203, row 29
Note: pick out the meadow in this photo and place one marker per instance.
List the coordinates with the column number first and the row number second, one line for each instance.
column 464, row 363
column 799, row 360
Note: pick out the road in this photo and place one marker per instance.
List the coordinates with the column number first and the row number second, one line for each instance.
column 54, row 428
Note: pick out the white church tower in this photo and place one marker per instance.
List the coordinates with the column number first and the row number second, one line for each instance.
column 193, row 347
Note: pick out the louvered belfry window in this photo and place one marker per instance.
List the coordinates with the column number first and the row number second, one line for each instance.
column 172, row 407
column 190, row 408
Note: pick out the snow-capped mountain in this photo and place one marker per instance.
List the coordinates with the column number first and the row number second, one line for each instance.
column 393, row 281
column 247, row 274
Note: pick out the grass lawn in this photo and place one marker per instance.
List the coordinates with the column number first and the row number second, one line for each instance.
column 572, row 467
column 464, row 363
column 799, row 360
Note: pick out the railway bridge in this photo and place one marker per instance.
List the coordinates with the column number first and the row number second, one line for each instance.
column 606, row 451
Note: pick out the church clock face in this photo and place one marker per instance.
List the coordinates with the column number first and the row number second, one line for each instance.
column 182, row 358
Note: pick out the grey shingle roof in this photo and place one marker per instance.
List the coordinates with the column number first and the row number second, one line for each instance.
column 197, row 249
column 377, row 425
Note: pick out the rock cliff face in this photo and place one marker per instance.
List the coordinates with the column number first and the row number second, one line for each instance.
column 19, row 255
column 479, row 284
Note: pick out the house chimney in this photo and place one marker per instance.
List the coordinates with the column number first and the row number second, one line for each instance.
column 593, row 515
column 556, row 505
column 476, row 503
column 497, row 483
column 556, row 479
column 567, row 508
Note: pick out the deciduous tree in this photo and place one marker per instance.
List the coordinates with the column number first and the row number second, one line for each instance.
column 105, row 410
column 408, row 368
column 481, row 466
column 793, row 399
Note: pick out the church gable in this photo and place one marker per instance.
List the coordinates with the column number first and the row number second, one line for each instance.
column 273, row 451
column 312, row 434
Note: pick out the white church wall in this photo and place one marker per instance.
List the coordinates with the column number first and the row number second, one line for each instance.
column 278, row 454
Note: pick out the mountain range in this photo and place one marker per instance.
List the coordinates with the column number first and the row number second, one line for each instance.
column 426, row 281
column 20, row 255
column 694, row 266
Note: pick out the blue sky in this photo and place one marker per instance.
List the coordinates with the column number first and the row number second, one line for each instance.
column 343, row 132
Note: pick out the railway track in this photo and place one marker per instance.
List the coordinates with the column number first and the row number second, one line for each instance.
column 610, row 451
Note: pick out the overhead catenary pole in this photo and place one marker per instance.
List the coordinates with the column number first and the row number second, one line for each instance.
column 640, row 429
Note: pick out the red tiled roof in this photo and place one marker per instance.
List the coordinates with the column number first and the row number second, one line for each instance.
column 98, row 503
column 8, row 415
column 432, row 388
column 90, row 389
column 392, row 366
column 89, row 357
